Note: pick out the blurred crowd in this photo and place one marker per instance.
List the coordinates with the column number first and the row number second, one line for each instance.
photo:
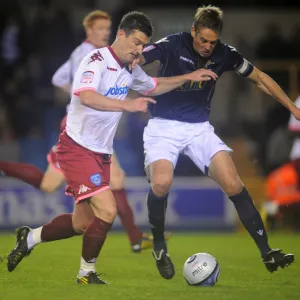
column 29, row 56
column 35, row 42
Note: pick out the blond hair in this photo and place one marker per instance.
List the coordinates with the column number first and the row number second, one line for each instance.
column 93, row 16
column 209, row 17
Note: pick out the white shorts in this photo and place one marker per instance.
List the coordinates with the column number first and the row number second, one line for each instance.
column 166, row 139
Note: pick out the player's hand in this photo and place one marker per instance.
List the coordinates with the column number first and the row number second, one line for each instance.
column 138, row 104
column 296, row 113
column 138, row 61
column 201, row 75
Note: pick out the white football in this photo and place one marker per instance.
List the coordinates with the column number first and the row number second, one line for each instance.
column 201, row 269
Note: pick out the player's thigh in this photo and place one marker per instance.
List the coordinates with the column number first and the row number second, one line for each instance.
column 82, row 216
column 53, row 177
column 161, row 142
column 223, row 171
column 86, row 173
column 212, row 156
column 104, row 205
column 117, row 174
column 203, row 146
column 52, row 180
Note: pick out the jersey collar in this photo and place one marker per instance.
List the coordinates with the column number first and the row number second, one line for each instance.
column 117, row 59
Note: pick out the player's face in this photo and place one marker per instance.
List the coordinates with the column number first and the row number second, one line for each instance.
column 204, row 41
column 99, row 32
column 132, row 45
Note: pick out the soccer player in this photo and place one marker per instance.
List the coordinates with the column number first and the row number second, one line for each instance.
column 97, row 26
column 180, row 124
column 99, row 89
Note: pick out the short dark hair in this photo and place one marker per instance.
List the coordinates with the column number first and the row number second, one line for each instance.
column 136, row 20
column 209, row 17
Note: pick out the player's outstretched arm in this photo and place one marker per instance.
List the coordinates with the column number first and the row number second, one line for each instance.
column 166, row 84
column 99, row 102
column 270, row 87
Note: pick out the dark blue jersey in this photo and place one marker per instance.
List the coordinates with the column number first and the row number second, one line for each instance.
column 191, row 102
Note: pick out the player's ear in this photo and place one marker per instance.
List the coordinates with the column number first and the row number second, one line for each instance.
column 121, row 33
column 193, row 32
column 88, row 30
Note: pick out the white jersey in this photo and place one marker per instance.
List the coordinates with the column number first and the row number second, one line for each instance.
column 65, row 73
column 102, row 71
column 294, row 126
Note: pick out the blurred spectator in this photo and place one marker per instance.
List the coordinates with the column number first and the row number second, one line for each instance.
column 294, row 129
column 13, row 46
column 5, row 130
column 52, row 40
column 272, row 45
column 283, row 193
column 283, row 183
column 278, row 147
column 19, row 99
column 294, row 42
column 123, row 8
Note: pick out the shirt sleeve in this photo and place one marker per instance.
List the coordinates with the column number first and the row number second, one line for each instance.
column 142, row 83
column 89, row 73
column 159, row 50
column 62, row 76
column 236, row 62
column 294, row 124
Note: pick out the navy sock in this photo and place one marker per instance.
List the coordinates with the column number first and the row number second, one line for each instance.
column 156, row 212
column 251, row 220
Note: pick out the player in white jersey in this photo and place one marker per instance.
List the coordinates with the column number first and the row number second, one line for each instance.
column 100, row 89
column 294, row 128
column 97, row 26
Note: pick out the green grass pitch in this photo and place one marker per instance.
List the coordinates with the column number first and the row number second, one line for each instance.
column 50, row 271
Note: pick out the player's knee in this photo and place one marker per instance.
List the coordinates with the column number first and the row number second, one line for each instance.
column 121, row 174
column 161, row 187
column 233, row 186
column 108, row 213
column 117, row 180
column 81, row 226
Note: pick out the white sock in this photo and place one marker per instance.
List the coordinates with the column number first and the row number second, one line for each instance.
column 86, row 267
column 34, row 237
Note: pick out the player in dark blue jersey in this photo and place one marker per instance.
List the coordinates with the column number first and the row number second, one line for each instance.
column 180, row 124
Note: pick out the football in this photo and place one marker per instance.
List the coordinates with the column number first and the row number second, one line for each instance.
column 201, row 269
